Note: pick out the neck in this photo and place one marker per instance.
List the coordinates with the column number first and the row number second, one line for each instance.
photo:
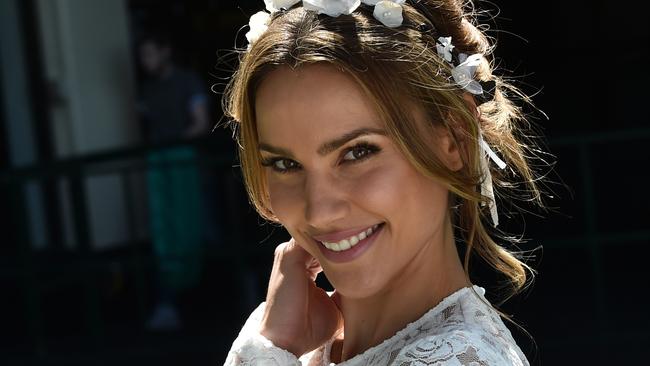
column 433, row 274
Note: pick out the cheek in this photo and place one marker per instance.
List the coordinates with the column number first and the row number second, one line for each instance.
column 377, row 189
column 424, row 205
column 398, row 193
column 284, row 200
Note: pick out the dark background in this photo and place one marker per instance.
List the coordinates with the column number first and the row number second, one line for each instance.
column 583, row 59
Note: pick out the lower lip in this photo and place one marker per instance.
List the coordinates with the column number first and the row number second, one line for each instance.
column 352, row 253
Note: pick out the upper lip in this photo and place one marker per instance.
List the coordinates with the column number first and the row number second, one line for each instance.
column 336, row 236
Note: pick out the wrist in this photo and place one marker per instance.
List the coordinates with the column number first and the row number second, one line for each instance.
column 281, row 341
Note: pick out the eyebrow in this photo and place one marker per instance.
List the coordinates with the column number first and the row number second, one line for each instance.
column 328, row 146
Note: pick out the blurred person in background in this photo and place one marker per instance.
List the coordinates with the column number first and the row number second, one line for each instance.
column 173, row 107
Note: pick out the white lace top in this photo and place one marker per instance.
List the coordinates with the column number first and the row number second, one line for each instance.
column 460, row 330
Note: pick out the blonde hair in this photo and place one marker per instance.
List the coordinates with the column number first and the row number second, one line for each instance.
column 397, row 67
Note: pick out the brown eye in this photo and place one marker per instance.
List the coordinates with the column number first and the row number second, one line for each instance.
column 360, row 152
column 281, row 165
column 356, row 153
column 284, row 165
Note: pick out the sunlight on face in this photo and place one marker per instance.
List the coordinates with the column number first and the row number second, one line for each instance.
column 333, row 173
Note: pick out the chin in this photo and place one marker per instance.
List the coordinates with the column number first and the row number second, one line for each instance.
column 353, row 286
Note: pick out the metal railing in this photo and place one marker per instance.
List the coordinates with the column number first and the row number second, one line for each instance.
column 85, row 265
column 45, row 270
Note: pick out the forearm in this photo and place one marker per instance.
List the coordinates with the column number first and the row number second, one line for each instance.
column 251, row 348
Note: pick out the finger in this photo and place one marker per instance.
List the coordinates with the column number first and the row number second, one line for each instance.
column 311, row 263
column 292, row 251
column 314, row 268
column 295, row 248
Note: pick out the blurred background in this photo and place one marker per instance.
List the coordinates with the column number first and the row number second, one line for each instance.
column 125, row 244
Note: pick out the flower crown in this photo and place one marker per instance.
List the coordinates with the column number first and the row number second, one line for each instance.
column 389, row 13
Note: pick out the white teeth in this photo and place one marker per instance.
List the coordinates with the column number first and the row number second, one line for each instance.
column 348, row 243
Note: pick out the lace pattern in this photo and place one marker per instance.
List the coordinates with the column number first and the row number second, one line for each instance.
column 460, row 330
column 253, row 349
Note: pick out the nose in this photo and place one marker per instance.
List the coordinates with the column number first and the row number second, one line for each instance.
column 326, row 202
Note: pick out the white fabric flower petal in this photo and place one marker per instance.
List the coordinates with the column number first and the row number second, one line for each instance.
column 487, row 188
column 332, row 8
column 463, row 74
column 500, row 163
column 258, row 23
column 474, row 87
column 374, row 2
column 275, row 5
column 389, row 13
column 444, row 48
column 488, row 191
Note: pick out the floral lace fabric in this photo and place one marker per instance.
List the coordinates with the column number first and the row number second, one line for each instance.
column 461, row 330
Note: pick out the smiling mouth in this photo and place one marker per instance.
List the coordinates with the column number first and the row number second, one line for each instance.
column 351, row 241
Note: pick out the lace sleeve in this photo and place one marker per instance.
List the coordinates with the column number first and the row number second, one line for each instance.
column 458, row 348
column 253, row 349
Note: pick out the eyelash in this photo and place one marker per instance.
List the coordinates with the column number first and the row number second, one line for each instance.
column 369, row 149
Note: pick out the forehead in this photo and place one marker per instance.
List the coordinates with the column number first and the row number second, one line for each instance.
column 311, row 102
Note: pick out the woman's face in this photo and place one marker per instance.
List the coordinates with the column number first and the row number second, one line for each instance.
column 339, row 184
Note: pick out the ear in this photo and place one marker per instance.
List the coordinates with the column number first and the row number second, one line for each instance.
column 452, row 146
column 471, row 104
column 445, row 142
column 448, row 149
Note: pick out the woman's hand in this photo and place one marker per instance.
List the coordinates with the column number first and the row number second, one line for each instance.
column 299, row 316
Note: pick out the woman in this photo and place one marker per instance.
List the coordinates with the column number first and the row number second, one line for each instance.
column 373, row 131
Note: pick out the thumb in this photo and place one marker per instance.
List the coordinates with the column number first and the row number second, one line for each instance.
column 314, row 268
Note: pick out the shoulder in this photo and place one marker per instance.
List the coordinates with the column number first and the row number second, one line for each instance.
column 465, row 330
column 460, row 347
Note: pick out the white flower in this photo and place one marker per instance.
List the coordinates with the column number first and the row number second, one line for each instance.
column 332, row 8
column 389, row 13
column 258, row 24
column 486, row 184
column 444, row 48
column 275, row 5
column 463, row 74
column 374, row 2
